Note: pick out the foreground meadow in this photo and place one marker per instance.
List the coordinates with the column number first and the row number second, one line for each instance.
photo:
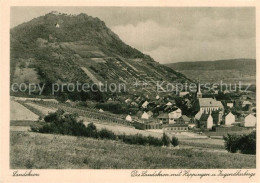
column 46, row 151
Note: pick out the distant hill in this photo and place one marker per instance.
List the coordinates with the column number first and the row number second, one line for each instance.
column 214, row 71
column 63, row 48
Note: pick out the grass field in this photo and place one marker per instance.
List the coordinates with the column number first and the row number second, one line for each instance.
column 19, row 112
column 204, row 143
column 46, row 151
column 22, row 123
column 221, row 134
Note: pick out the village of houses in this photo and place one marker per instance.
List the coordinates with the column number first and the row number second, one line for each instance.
column 236, row 114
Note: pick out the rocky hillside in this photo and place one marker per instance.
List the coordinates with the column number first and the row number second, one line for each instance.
column 213, row 71
column 60, row 48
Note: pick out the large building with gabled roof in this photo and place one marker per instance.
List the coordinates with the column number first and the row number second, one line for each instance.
column 209, row 104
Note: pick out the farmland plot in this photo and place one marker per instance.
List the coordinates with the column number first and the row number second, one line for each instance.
column 44, row 110
column 19, row 112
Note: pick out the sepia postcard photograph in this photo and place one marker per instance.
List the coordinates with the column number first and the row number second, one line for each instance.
column 150, row 93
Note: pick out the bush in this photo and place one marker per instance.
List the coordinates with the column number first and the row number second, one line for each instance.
column 231, row 143
column 134, row 139
column 52, row 117
column 248, row 143
column 245, row 143
column 154, row 141
column 140, row 139
column 175, row 141
column 106, row 134
column 61, row 123
column 166, row 140
column 91, row 127
column 91, row 131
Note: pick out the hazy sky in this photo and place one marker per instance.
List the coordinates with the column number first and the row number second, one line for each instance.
column 171, row 34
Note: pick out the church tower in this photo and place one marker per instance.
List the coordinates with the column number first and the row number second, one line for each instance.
column 199, row 94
